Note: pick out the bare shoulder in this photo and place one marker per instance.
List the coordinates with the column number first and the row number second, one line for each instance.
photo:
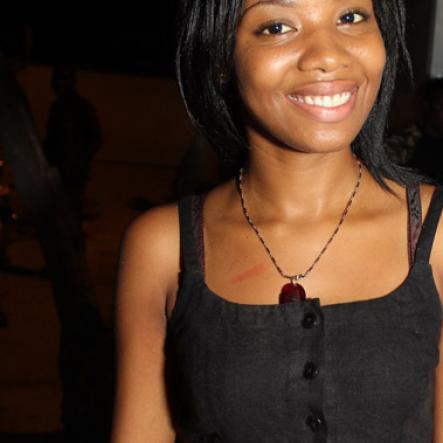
column 156, row 228
column 426, row 192
column 150, row 251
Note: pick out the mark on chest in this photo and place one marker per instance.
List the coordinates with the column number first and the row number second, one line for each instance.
column 253, row 272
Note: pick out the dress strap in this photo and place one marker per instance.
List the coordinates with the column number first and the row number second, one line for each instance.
column 414, row 220
column 191, row 232
column 426, row 240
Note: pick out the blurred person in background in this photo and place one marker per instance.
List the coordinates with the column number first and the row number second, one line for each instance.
column 73, row 136
column 6, row 212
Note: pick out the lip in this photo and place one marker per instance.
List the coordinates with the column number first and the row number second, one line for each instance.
column 326, row 88
column 326, row 114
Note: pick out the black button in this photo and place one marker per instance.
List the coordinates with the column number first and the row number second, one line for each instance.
column 310, row 371
column 309, row 320
column 315, row 422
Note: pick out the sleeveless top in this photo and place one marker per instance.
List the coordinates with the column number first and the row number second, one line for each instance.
column 362, row 371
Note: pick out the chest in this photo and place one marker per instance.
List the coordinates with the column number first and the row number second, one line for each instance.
column 365, row 260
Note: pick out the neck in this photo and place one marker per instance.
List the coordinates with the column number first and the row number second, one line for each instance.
column 297, row 184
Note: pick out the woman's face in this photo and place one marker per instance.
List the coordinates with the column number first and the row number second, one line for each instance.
column 308, row 71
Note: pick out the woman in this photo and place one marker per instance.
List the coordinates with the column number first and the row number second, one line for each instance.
column 295, row 303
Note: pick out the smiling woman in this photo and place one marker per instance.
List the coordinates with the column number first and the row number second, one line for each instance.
column 301, row 301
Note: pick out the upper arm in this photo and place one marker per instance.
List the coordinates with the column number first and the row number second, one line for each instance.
column 148, row 273
column 437, row 268
column 438, row 414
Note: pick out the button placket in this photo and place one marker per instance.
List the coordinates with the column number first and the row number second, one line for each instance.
column 310, row 371
column 309, row 320
column 311, row 378
column 315, row 422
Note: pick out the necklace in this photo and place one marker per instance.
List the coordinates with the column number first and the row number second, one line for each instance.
column 294, row 291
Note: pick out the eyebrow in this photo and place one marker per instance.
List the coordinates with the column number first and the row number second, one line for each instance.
column 270, row 2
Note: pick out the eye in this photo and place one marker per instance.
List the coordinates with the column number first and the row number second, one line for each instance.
column 275, row 29
column 352, row 18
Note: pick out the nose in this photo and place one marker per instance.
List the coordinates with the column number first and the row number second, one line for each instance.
column 324, row 52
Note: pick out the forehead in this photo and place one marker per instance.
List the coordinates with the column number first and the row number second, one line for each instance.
column 248, row 3
column 252, row 3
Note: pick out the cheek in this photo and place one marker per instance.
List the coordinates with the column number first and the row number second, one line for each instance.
column 373, row 57
column 258, row 72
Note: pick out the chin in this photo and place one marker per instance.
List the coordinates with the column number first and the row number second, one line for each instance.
column 320, row 143
column 295, row 138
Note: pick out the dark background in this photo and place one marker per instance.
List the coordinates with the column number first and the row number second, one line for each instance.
column 145, row 44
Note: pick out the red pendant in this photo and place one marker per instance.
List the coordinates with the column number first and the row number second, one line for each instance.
column 291, row 293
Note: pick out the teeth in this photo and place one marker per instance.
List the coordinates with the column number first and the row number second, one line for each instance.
column 326, row 101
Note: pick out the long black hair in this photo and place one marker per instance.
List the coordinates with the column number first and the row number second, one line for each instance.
column 205, row 68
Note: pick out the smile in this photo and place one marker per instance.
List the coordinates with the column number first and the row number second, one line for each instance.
column 326, row 101
column 326, row 106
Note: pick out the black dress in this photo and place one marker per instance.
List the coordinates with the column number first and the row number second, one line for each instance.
column 353, row 372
